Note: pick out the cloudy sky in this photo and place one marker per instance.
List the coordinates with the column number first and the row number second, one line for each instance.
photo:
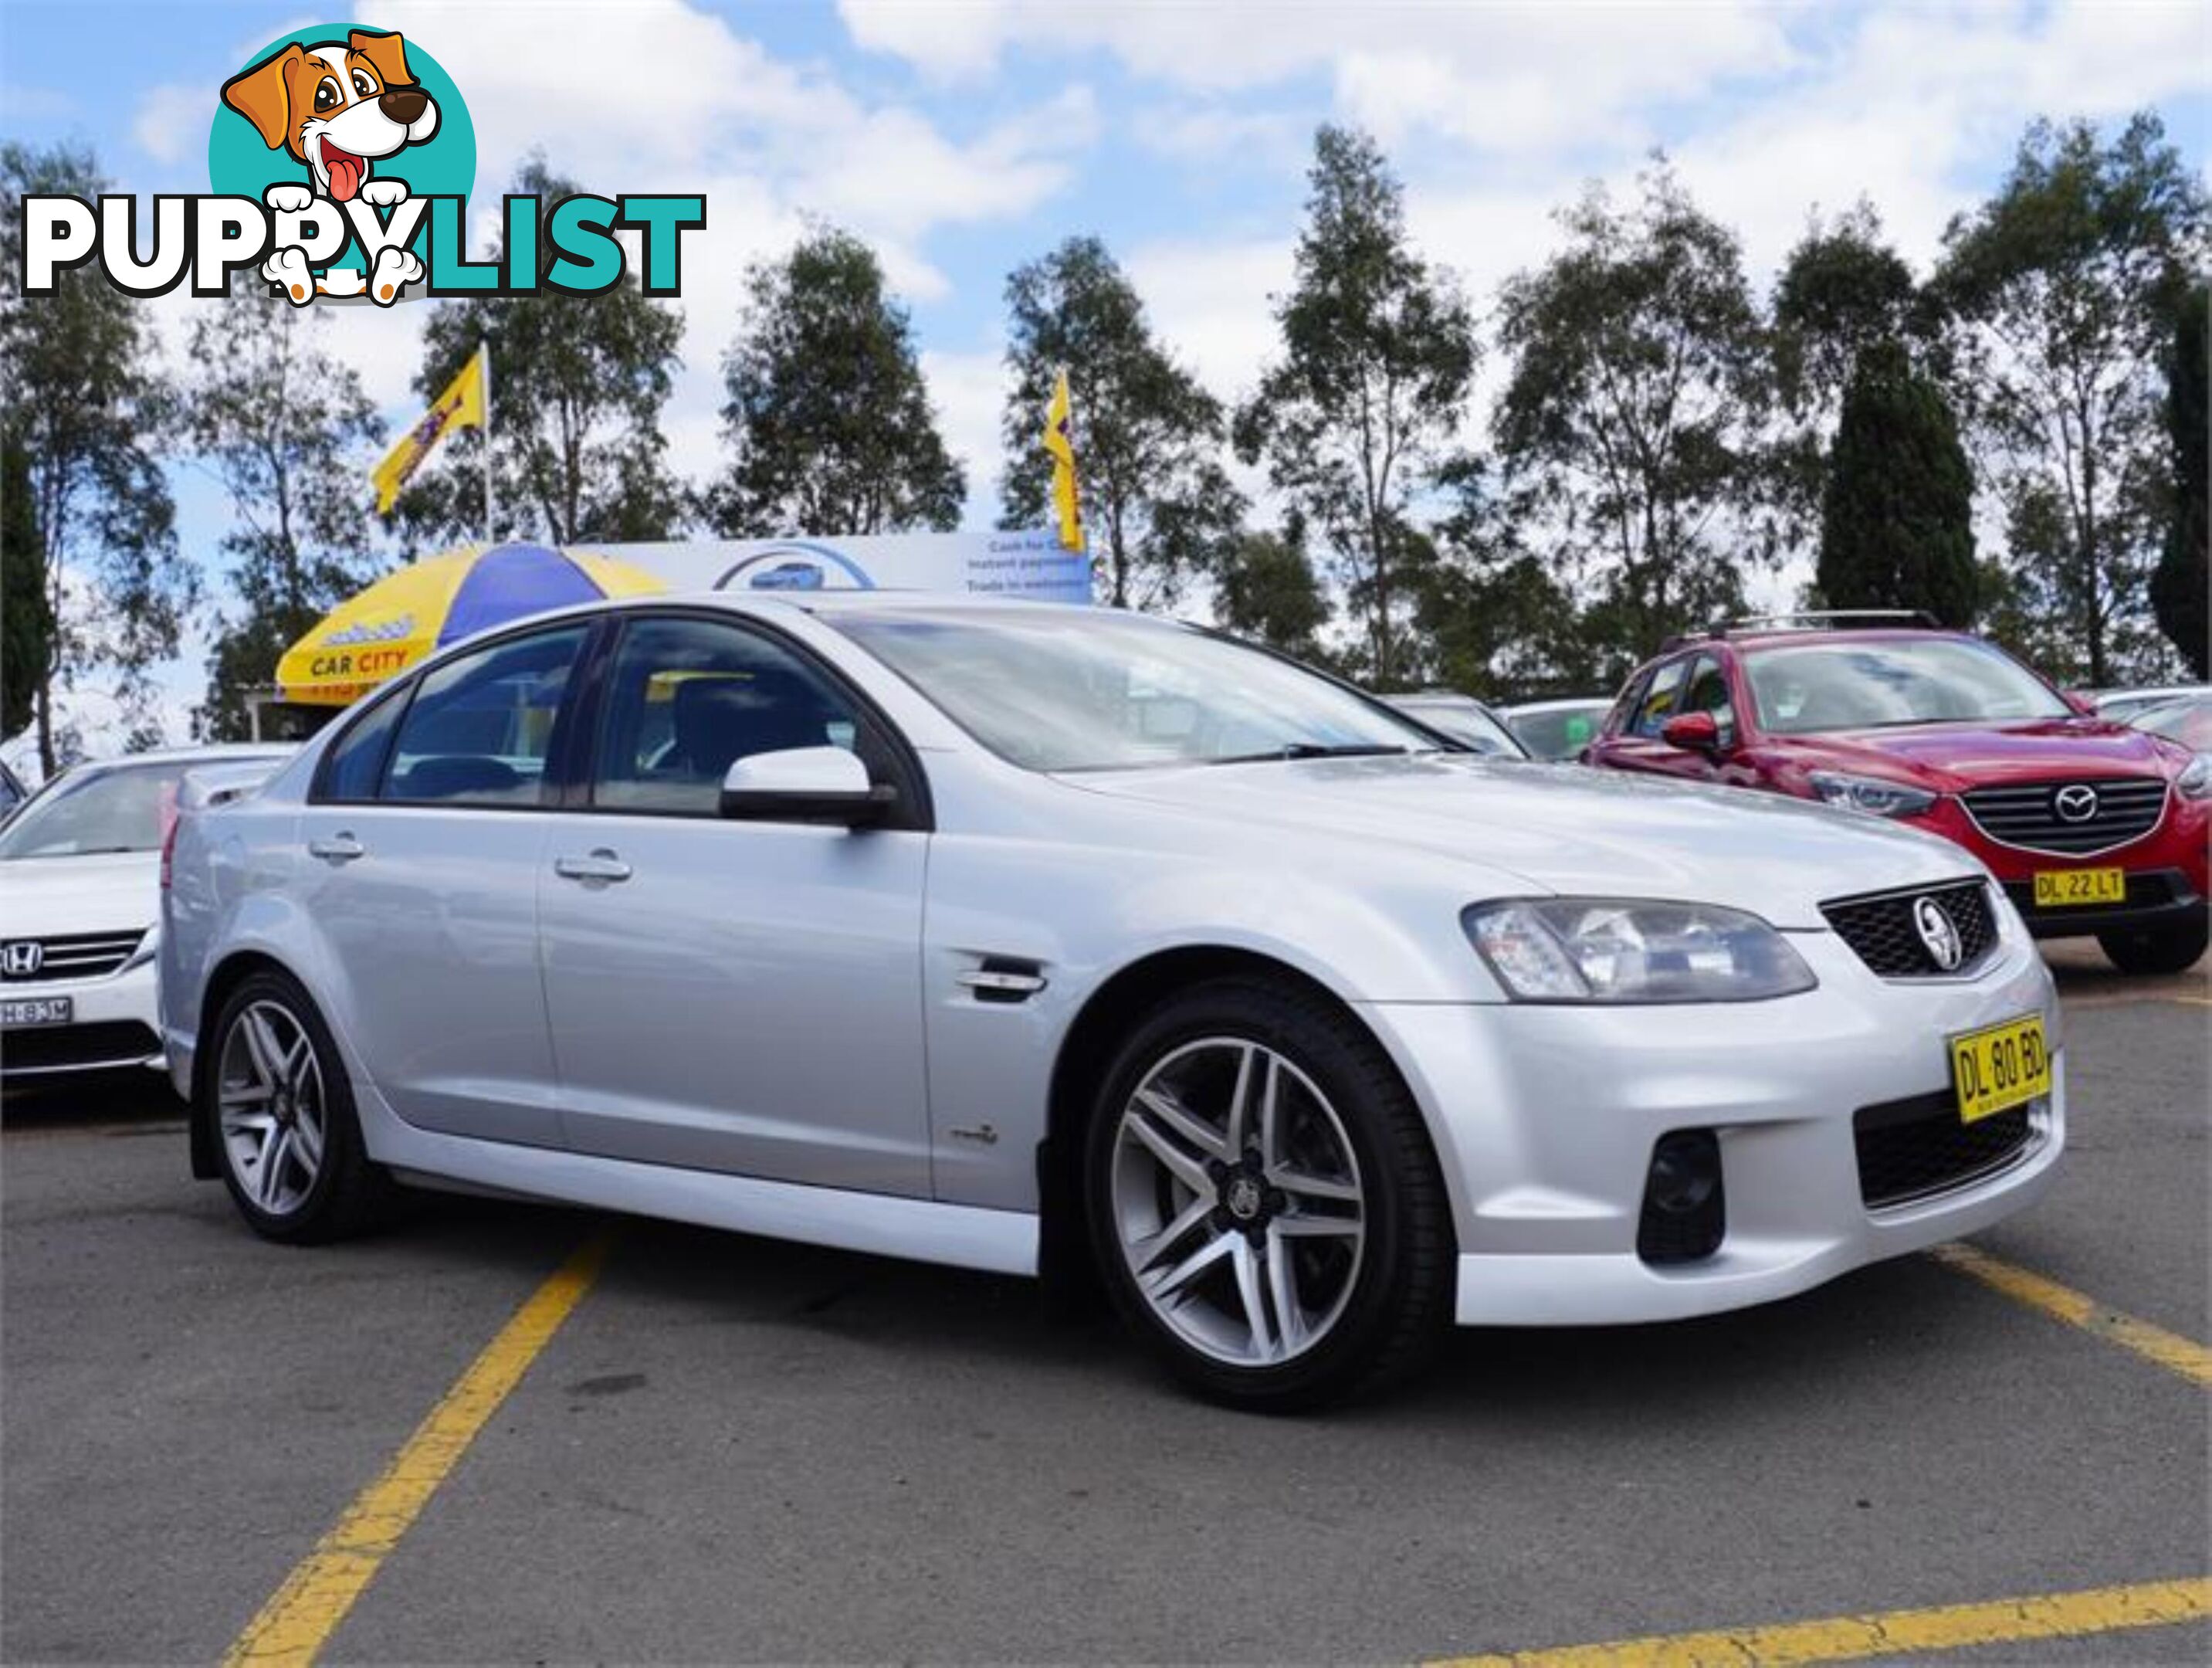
column 961, row 137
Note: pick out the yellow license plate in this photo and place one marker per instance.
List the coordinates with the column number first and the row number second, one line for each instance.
column 2000, row 1067
column 2058, row 888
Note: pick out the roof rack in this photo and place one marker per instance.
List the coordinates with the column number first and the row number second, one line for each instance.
column 1809, row 619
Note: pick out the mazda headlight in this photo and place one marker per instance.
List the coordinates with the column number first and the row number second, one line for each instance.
column 1609, row 950
column 2195, row 782
column 1871, row 795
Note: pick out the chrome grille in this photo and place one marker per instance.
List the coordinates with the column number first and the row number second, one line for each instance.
column 1881, row 929
column 71, row 955
column 2049, row 816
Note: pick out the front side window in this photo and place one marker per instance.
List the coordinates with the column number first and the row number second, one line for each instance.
column 1810, row 688
column 480, row 727
column 1661, row 699
column 1708, row 691
column 1092, row 689
column 689, row 697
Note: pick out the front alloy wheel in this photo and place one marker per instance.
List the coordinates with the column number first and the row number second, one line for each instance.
column 1264, row 1201
column 1237, row 1202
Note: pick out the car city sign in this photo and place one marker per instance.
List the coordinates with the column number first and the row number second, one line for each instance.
column 341, row 160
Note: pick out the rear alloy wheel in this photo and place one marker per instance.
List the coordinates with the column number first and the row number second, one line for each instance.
column 283, row 1117
column 1264, row 1200
column 2171, row 949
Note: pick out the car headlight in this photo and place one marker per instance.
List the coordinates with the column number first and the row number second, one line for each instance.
column 1622, row 950
column 1871, row 795
column 2195, row 782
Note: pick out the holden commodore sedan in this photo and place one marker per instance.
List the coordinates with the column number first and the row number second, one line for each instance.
column 1057, row 940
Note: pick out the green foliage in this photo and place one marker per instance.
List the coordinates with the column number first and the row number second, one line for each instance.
column 1495, row 619
column 2061, row 289
column 27, row 613
column 2180, row 583
column 1266, row 590
column 1360, row 414
column 81, row 398
column 1635, row 422
column 1897, row 519
column 288, row 432
column 578, row 385
column 828, row 419
column 1842, row 291
column 1158, row 507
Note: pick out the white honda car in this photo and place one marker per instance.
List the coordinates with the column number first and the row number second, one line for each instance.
column 78, row 902
column 1042, row 939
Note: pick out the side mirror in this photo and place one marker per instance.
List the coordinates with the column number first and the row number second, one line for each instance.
column 1692, row 732
column 804, row 785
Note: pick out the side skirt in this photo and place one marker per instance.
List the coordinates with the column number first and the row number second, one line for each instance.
column 959, row 1235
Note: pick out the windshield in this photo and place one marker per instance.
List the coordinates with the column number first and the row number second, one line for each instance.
column 1089, row 689
column 127, row 809
column 1561, row 733
column 1467, row 723
column 1808, row 690
column 2188, row 721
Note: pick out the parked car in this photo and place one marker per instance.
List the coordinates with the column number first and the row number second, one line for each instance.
column 2125, row 704
column 2093, row 827
column 1020, row 937
column 78, row 903
column 2186, row 718
column 1557, row 729
column 1464, row 719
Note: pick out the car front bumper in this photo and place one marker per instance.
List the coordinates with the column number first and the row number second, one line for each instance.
column 1545, row 1119
column 113, row 1024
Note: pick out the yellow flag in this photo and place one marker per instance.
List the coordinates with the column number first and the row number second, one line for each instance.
column 1063, row 466
column 461, row 406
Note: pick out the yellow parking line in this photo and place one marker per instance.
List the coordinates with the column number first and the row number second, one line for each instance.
column 1892, row 1633
column 294, row 1625
column 2192, row 1360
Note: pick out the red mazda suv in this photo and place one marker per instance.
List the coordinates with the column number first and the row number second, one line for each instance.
column 2092, row 827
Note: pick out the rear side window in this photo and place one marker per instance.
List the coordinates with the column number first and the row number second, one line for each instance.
column 480, row 728
column 355, row 764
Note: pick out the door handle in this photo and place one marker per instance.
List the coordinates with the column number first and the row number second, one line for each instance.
column 601, row 865
column 336, row 848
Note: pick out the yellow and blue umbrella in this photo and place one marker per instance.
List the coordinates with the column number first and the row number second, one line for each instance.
column 411, row 614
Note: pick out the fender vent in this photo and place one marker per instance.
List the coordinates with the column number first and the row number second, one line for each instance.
column 1003, row 980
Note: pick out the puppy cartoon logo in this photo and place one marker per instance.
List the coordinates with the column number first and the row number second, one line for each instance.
column 341, row 158
column 337, row 107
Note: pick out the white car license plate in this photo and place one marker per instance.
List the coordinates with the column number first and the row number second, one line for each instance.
column 37, row 1011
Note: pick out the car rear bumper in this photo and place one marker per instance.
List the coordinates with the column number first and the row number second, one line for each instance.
column 113, row 1026
column 1547, row 1119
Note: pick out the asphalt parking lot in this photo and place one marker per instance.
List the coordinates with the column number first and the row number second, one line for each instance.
column 729, row 1449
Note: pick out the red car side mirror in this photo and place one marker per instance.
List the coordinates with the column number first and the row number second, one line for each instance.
column 1692, row 732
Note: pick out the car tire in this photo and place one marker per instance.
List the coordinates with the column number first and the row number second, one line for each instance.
column 1319, row 1266
column 2147, row 950
column 277, row 1101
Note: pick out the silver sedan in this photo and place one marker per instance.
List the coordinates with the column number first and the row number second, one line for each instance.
column 1054, row 940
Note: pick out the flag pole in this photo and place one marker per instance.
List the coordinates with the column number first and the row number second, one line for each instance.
column 485, row 349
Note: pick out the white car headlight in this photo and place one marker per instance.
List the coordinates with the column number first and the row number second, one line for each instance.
column 1627, row 950
column 1871, row 795
column 2195, row 782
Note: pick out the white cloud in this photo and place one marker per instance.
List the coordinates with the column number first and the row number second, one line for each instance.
column 1211, row 302
column 969, row 391
column 172, row 122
